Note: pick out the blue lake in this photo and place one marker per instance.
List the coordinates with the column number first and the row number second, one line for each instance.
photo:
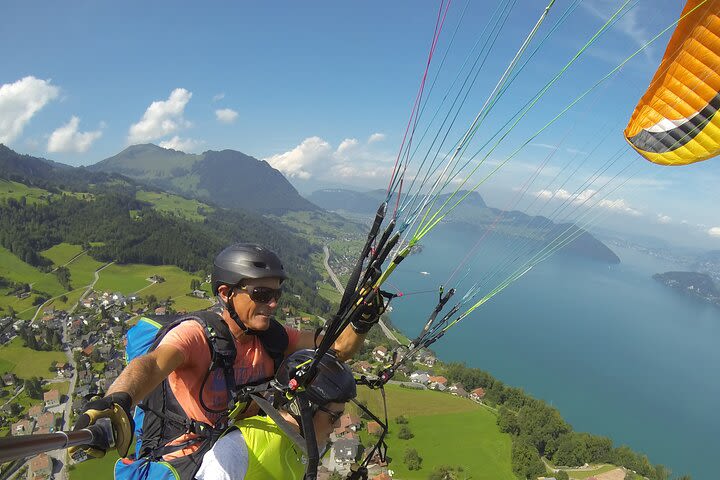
column 616, row 352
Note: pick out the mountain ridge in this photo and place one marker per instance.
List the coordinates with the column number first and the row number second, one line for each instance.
column 227, row 177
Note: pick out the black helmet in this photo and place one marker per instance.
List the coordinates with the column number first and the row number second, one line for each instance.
column 242, row 261
column 334, row 382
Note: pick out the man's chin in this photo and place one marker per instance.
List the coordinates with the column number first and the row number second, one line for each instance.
column 261, row 322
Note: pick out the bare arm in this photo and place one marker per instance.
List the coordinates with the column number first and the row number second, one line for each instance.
column 346, row 345
column 144, row 373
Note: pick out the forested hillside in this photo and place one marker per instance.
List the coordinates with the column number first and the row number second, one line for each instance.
column 101, row 211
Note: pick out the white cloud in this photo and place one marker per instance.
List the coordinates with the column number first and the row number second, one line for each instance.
column 317, row 158
column 544, row 145
column 163, row 117
column 376, row 137
column 226, row 115
column 663, row 218
column 299, row 161
column 620, row 206
column 68, row 139
column 187, row 145
column 714, row 232
column 19, row 102
column 586, row 198
column 347, row 146
column 218, row 97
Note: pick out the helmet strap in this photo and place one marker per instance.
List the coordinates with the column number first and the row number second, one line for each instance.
column 234, row 315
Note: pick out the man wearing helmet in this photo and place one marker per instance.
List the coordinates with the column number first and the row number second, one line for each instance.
column 271, row 448
column 179, row 373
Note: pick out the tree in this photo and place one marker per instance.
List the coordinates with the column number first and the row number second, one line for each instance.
column 412, row 459
column 447, row 472
column 561, row 475
column 525, row 459
column 152, row 301
column 33, row 388
column 405, row 433
column 11, row 311
column 507, row 421
column 401, row 420
column 335, row 476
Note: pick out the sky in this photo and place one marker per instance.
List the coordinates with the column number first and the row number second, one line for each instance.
column 323, row 91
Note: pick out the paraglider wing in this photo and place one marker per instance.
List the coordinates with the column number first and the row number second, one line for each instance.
column 676, row 121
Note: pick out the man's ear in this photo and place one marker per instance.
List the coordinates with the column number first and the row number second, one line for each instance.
column 224, row 291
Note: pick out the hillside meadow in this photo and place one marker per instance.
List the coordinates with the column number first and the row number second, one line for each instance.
column 447, row 431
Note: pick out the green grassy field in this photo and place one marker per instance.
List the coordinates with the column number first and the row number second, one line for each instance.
column 589, row 473
column 14, row 269
column 10, row 189
column 174, row 204
column 25, row 362
column 62, row 253
column 190, row 304
column 100, row 468
column 448, row 431
column 132, row 278
column 124, row 278
column 329, row 293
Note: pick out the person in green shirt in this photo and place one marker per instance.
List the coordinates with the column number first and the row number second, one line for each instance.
column 265, row 448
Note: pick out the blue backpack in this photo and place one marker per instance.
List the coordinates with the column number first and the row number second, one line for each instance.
column 160, row 419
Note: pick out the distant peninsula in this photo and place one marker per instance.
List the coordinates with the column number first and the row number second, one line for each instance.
column 694, row 284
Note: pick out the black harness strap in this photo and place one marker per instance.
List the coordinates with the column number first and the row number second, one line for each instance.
column 222, row 356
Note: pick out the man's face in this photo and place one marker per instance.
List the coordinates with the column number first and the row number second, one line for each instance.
column 255, row 315
column 326, row 420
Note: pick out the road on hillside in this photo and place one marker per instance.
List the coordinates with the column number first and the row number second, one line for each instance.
column 339, row 286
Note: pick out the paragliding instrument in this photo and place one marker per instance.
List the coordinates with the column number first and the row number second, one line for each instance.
column 98, row 435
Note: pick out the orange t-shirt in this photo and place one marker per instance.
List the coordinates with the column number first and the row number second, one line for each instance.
column 252, row 363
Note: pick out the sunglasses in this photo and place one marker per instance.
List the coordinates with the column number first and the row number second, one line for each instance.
column 334, row 416
column 262, row 294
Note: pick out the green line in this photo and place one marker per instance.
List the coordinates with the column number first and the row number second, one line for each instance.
column 429, row 226
column 423, row 228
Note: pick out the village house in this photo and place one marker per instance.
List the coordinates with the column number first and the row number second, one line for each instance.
column 374, row 428
column 350, row 422
column 51, row 398
column 160, row 311
column 380, row 353
column 199, row 293
column 35, row 411
column 40, row 467
column 437, row 383
column 427, row 358
column 478, row 394
column 420, row 377
column 458, row 390
column 46, row 423
column 382, row 476
column 346, row 449
column 8, row 379
column 362, row 367
column 23, row 427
